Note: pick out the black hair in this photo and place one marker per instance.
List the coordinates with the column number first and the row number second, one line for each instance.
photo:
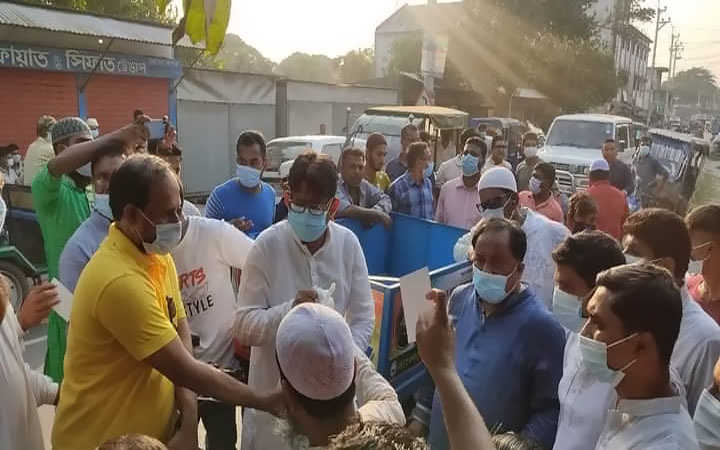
column 249, row 138
column 497, row 139
column 406, row 130
column 518, row 240
column 581, row 203
column 704, row 218
column 321, row 409
column 589, row 253
column 136, row 113
column 375, row 140
column 547, row 171
column 416, row 150
column 476, row 141
column 113, row 149
column 665, row 233
column 467, row 134
column 131, row 183
column 529, row 135
column 599, row 175
column 609, row 141
column 318, row 172
column 646, row 299
column 351, row 152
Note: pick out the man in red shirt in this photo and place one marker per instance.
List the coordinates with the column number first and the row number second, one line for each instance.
column 611, row 202
column 540, row 197
column 703, row 281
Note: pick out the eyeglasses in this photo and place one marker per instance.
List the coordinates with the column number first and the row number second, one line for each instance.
column 316, row 210
column 493, row 203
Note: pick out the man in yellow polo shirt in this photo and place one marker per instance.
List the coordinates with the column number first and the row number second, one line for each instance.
column 128, row 367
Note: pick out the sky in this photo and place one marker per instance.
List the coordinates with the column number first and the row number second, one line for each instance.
column 277, row 28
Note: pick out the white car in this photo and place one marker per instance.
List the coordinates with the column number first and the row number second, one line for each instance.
column 284, row 149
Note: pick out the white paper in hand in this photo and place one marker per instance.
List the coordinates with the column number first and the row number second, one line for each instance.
column 413, row 289
column 66, row 298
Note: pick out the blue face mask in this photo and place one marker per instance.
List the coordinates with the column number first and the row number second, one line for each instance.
column 429, row 170
column 490, row 287
column 470, row 165
column 102, row 205
column 566, row 309
column 247, row 176
column 308, row 227
column 594, row 358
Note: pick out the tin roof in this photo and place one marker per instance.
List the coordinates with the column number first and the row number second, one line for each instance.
column 73, row 22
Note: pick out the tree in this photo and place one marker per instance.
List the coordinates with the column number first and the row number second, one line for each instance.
column 301, row 66
column 692, row 85
column 125, row 9
column 234, row 55
column 356, row 65
column 405, row 56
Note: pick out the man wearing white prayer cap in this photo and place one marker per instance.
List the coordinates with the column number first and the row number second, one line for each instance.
column 324, row 376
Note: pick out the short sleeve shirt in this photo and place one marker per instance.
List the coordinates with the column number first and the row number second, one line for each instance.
column 119, row 318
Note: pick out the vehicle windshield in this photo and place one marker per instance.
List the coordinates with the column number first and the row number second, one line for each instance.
column 385, row 125
column 279, row 152
column 577, row 133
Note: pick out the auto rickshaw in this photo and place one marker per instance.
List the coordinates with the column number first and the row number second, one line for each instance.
column 683, row 156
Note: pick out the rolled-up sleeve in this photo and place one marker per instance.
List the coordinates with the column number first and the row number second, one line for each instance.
column 376, row 397
column 378, row 199
column 361, row 308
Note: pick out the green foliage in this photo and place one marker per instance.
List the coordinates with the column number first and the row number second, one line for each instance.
column 234, row 55
column 357, row 65
column 302, row 66
column 152, row 10
column 693, row 84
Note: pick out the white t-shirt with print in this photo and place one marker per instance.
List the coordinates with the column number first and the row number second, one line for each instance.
column 204, row 258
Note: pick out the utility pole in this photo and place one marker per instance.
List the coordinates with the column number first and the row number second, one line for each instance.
column 659, row 23
column 674, row 39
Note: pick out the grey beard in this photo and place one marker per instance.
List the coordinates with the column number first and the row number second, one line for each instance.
column 288, row 432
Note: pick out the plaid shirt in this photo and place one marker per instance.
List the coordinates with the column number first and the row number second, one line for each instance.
column 409, row 197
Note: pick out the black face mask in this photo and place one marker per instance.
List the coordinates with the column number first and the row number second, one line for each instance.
column 580, row 227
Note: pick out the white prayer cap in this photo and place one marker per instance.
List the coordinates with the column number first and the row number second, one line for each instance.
column 600, row 164
column 316, row 351
column 92, row 123
column 285, row 168
column 498, row 178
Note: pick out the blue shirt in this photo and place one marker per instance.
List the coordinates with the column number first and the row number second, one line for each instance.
column 412, row 198
column 510, row 363
column 81, row 246
column 232, row 201
column 395, row 169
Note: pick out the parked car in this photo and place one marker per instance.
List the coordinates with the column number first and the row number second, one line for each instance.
column 575, row 141
column 389, row 120
column 284, row 149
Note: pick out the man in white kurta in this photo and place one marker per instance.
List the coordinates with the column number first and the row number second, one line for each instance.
column 281, row 264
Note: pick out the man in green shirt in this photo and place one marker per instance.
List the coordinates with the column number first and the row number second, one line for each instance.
column 61, row 203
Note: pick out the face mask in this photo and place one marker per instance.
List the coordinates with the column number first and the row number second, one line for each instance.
column 470, row 165
column 566, row 309
column 696, row 266
column 10, row 161
column 247, row 176
column 167, row 237
column 494, row 213
column 490, row 287
column 644, row 150
column 95, row 133
column 102, row 205
column 531, row 152
column 85, row 170
column 535, row 185
column 308, row 227
column 632, row 259
column 594, row 357
column 429, row 170
column 17, row 158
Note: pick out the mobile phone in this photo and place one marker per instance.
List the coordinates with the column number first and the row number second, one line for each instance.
column 156, row 129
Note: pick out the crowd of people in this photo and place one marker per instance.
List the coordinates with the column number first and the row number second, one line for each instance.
column 583, row 326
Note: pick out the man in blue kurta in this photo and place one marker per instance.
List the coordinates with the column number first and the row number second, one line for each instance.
column 508, row 347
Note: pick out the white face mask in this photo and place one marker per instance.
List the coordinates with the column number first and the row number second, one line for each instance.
column 594, row 357
column 535, row 185
column 531, row 152
column 167, row 237
column 566, row 309
column 696, row 266
column 102, row 205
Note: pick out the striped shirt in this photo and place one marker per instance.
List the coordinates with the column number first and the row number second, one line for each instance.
column 412, row 198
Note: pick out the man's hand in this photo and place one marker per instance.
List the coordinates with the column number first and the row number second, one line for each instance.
column 434, row 335
column 310, row 296
column 135, row 134
column 385, row 219
column 274, row 403
column 185, row 438
column 242, row 224
column 37, row 305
